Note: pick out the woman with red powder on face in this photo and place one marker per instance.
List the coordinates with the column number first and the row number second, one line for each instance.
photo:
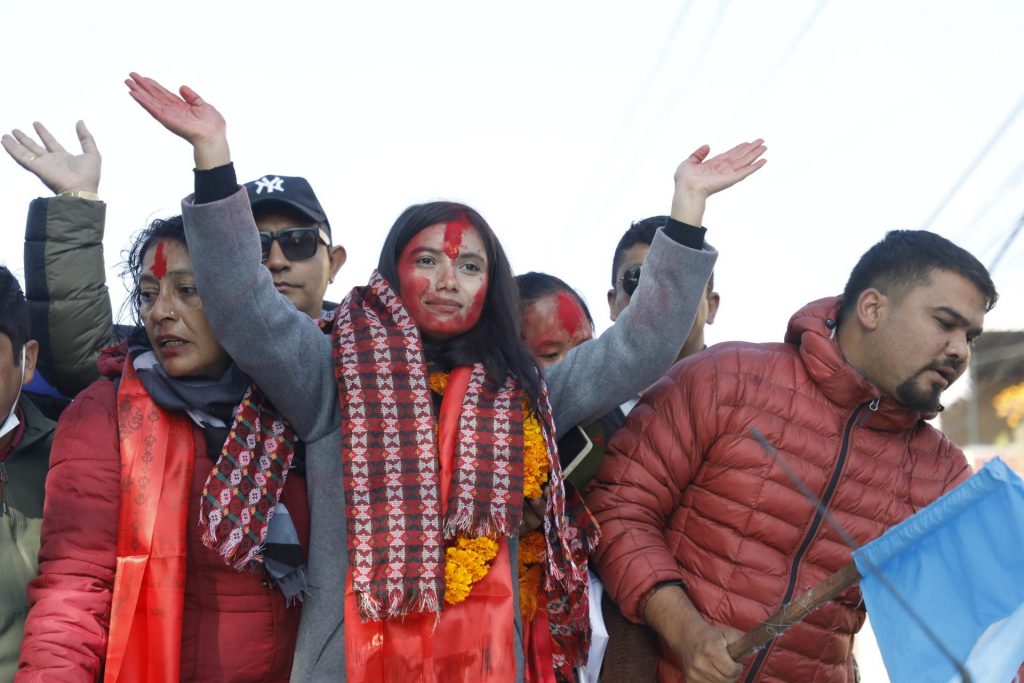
column 444, row 425
column 128, row 587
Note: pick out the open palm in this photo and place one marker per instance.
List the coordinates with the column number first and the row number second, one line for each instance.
column 187, row 115
column 60, row 170
column 700, row 175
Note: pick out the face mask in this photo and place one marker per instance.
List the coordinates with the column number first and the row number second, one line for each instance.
column 12, row 422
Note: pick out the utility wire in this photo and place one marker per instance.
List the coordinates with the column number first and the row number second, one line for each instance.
column 1011, row 182
column 766, row 83
column 1014, row 113
column 682, row 91
column 619, row 141
column 1006, row 245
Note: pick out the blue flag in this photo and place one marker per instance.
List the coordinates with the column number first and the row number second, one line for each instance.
column 960, row 564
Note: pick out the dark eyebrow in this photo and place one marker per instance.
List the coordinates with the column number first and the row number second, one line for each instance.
column 960, row 320
column 438, row 252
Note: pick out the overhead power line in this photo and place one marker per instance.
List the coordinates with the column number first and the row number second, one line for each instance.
column 1012, row 181
column 1014, row 113
column 684, row 89
column 1006, row 245
column 619, row 141
column 773, row 75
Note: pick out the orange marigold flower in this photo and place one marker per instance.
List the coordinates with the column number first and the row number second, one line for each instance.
column 536, row 466
column 457, row 582
column 438, row 381
column 467, row 562
column 532, row 547
column 529, row 592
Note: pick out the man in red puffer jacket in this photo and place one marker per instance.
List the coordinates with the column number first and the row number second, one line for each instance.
column 704, row 535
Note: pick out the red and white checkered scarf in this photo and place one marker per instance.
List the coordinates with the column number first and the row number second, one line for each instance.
column 390, row 463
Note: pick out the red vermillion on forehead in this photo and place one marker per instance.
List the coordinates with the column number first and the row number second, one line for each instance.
column 160, row 262
column 453, row 232
column 570, row 313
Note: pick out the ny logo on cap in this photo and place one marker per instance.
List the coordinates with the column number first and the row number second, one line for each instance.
column 270, row 185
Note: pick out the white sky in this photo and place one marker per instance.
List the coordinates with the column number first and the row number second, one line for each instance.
column 560, row 121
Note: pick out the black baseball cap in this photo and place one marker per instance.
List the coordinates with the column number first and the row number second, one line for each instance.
column 288, row 190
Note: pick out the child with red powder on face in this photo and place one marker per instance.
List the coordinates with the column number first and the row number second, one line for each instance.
column 555, row 318
column 443, row 424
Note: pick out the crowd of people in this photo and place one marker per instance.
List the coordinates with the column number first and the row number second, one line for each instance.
column 446, row 476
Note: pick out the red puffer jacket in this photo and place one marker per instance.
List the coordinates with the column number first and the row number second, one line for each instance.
column 688, row 494
column 235, row 628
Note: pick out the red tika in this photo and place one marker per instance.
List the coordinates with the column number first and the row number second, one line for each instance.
column 149, row 585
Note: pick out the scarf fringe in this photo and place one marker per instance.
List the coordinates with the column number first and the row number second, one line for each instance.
column 294, row 585
column 466, row 521
column 252, row 561
column 400, row 604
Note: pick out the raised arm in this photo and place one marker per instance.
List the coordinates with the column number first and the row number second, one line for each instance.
column 69, row 306
column 281, row 348
column 645, row 340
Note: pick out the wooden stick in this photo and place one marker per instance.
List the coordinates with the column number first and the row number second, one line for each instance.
column 794, row 612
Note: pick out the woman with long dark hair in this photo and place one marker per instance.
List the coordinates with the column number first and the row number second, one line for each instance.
column 130, row 587
column 444, row 427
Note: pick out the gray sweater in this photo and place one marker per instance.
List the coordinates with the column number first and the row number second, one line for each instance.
column 289, row 357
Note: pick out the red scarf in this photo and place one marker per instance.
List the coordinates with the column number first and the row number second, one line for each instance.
column 157, row 460
column 393, row 481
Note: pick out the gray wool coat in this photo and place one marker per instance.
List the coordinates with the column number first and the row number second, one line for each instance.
column 287, row 355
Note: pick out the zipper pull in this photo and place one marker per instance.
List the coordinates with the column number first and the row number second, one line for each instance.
column 872, row 407
column 3, row 489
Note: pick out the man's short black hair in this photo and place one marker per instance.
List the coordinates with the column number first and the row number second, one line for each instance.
column 13, row 312
column 640, row 232
column 905, row 259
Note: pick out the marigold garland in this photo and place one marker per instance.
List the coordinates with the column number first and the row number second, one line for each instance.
column 468, row 559
column 438, row 382
column 467, row 562
column 532, row 550
column 536, row 467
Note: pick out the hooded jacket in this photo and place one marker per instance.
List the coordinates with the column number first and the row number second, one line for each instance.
column 688, row 494
column 236, row 627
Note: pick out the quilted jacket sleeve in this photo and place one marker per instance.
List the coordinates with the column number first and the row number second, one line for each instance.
column 65, row 284
column 959, row 470
column 641, row 483
column 66, row 631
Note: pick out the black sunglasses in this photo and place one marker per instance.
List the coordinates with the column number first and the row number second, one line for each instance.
column 630, row 280
column 297, row 244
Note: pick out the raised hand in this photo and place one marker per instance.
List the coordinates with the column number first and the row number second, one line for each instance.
column 60, row 170
column 698, row 177
column 186, row 115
